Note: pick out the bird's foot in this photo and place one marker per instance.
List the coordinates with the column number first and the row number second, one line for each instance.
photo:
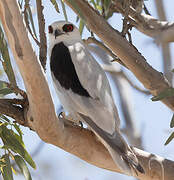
column 69, row 119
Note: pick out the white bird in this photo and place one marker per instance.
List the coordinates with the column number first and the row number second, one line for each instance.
column 84, row 91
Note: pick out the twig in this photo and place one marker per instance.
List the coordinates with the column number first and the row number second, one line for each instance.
column 16, row 89
column 133, row 85
column 13, row 111
column 27, row 24
column 166, row 54
column 91, row 40
column 43, row 40
column 112, row 70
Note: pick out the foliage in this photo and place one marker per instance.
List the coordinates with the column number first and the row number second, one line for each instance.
column 6, row 59
column 12, row 149
column 169, row 92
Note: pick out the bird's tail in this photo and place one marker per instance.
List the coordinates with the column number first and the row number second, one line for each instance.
column 120, row 151
column 124, row 157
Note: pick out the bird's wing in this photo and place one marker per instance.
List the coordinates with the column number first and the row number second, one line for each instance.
column 89, row 72
column 94, row 80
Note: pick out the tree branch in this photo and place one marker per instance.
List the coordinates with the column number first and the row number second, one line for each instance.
column 166, row 55
column 161, row 31
column 11, row 110
column 43, row 39
column 41, row 114
column 129, row 55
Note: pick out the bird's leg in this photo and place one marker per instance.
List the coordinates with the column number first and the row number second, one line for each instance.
column 69, row 119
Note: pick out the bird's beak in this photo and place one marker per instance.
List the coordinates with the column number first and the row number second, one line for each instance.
column 57, row 33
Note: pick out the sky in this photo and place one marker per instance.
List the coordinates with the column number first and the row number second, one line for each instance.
column 152, row 118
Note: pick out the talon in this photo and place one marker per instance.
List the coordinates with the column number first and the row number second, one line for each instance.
column 81, row 124
column 61, row 114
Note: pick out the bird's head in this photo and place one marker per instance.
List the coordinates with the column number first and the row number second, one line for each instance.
column 63, row 31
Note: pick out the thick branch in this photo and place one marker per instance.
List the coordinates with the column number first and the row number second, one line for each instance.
column 149, row 77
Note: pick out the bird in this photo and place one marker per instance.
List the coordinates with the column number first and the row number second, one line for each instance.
column 85, row 93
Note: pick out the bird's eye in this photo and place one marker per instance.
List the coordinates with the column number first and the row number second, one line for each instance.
column 68, row 28
column 50, row 29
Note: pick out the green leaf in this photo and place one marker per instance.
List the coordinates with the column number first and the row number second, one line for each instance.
column 5, row 55
column 2, row 163
column 5, row 91
column 18, row 130
column 2, row 84
column 169, row 92
column 64, row 10
column 4, row 118
column 169, row 139
column 81, row 26
column 14, row 142
column 55, row 5
column 6, row 170
column 99, row 8
column 172, row 122
column 107, row 4
column 94, row 4
column 23, row 167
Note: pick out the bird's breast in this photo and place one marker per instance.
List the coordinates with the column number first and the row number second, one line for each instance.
column 64, row 71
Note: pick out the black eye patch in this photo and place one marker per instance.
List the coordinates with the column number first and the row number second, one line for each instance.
column 50, row 29
column 68, row 28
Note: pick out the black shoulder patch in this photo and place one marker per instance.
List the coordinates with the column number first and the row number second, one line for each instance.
column 64, row 71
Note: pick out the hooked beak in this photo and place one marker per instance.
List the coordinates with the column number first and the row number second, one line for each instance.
column 57, row 33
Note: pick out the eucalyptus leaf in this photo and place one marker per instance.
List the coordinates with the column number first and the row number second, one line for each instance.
column 169, row 92
column 18, row 130
column 23, row 167
column 4, row 118
column 14, row 142
column 94, row 4
column 2, row 163
column 99, row 8
column 6, row 59
column 107, row 4
column 5, row 91
column 169, row 139
column 64, row 10
column 2, row 84
column 6, row 170
column 55, row 5
column 81, row 26
column 172, row 122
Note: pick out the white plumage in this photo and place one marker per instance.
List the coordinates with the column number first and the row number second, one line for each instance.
column 82, row 87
